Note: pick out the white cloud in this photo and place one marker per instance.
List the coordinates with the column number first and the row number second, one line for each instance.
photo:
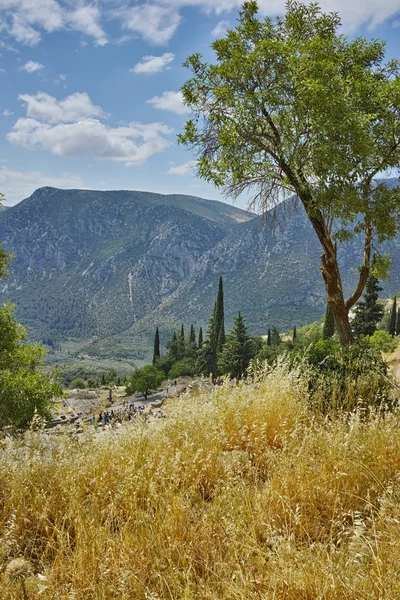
column 46, row 108
column 183, row 170
column 155, row 23
column 86, row 19
column 353, row 13
column 153, row 64
column 6, row 113
column 220, row 29
column 2, row 70
column 172, row 101
column 26, row 20
column 68, row 128
column 17, row 185
column 32, row 66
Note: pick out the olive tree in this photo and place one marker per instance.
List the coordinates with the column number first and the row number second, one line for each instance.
column 291, row 107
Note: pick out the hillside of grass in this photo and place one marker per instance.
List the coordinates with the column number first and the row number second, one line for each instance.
column 239, row 494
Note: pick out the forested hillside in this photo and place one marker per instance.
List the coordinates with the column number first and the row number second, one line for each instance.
column 104, row 268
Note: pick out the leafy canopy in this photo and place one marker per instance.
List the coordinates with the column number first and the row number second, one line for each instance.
column 291, row 105
column 144, row 380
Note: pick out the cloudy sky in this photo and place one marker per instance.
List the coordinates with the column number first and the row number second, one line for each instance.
column 89, row 89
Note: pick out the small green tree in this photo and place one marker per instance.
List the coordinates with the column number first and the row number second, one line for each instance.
column 294, row 334
column 156, row 351
column 144, row 380
column 173, row 347
column 392, row 318
column 77, row 384
column 368, row 313
column 398, row 322
column 275, row 337
column 200, row 337
column 269, row 341
column 238, row 350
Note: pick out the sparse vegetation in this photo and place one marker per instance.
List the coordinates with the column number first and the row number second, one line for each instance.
column 243, row 494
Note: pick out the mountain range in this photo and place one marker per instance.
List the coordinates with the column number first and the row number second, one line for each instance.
column 95, row 272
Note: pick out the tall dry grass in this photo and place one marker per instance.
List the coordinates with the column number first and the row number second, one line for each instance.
column 245, row 494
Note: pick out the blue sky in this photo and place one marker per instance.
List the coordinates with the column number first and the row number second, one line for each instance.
column 89, row 90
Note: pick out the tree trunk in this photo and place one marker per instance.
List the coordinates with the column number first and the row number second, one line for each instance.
column 332, row 280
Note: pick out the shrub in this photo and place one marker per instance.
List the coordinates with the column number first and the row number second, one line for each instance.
column 345, row 377
column 77, row 384
column 186, row 366
column 383, row 341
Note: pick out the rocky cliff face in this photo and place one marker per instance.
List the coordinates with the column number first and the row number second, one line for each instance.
column 105, row 268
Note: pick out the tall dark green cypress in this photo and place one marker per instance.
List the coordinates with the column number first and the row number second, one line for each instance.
column 200, row 337
column 192, row 336
column 156, row 351
column 393, row 316
column 329, row 323
column 220, row 317
column 207, row 358
column 398, row 322
column 269, row 338
column 294, row 333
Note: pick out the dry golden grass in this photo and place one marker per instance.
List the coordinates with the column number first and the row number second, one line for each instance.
column 240, row 496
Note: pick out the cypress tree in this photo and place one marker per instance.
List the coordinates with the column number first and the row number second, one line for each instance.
column 329, row 323
column 398, row 322
column 369, row 312
column 393, row 316
column 182, row 342
column 220, row 317
column 156, row 351
column 275, row 337
column 200, row 337
column 237, row 351
column 294, row 333
column 173, row 348
column 192, row 336
column 209, row 352
column 269, row 338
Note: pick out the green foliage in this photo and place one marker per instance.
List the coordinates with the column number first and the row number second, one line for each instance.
column 237, row 351
column 383, row 341
column 369, row 312
column 293, row 105
column 144, row 380
column 186, row 366
column 275, row 337
column 77, row 384
column 200, row 337
column 208, row 354
column 156, row 350
column 24, row 390
column 393, row 318
column 345, row 377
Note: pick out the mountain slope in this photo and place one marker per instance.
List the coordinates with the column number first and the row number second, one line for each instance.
column 103, row 269
column 93, row 263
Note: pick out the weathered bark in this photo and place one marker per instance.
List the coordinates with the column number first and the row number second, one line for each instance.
column 332, row 279
column 330, row 268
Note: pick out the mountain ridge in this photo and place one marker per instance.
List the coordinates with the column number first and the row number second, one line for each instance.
column 103, row 269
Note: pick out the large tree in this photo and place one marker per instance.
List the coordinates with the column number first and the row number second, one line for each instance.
column 209, row 351
column 291, row 106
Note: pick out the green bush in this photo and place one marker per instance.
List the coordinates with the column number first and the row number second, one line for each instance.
column 77, row 384
column 345, row 377
column 186, row 366
column 383, row 341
